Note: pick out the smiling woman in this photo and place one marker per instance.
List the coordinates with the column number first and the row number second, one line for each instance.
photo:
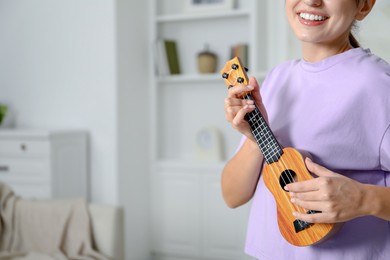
column 332, row 103
column 315, row 22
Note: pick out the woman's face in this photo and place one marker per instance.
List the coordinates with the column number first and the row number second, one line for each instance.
column 322, row 21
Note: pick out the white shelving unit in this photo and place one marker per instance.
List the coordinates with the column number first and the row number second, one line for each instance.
column 189, row 217
column 177, row 125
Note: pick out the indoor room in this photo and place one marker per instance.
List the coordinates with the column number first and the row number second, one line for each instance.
column 114, row 126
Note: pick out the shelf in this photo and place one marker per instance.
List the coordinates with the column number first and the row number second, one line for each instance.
column 190, row 78
column 201, row 16
column 199, row 78
column 188, row 165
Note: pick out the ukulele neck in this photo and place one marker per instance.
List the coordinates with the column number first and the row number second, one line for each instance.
column 263, row 135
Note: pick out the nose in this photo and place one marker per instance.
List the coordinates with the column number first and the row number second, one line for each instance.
column 313, row 2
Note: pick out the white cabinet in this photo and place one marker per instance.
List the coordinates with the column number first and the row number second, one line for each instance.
column 44, row 164
column 189, row 218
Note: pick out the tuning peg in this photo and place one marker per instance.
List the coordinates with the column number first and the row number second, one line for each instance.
column 225, row 75
column 246, row 69
column 234, row 66
column 240, row 80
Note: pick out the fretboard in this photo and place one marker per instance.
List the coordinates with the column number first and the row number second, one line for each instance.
column 263, row 135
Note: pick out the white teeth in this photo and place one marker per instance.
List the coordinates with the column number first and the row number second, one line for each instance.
column 312, row 17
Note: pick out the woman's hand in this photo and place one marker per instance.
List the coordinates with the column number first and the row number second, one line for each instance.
column 337, row 197
column 236, row 108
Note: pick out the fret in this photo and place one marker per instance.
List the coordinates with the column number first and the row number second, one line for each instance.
column 263, row 135
column 234, row 74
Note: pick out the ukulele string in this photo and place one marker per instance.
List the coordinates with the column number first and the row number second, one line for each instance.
column 298, row 208
column 285, row 169
column 289, row 175
column 268, row 142
column 235, row 77
column 322, row 228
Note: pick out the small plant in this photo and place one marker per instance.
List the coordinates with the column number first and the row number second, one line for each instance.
column 3, row 112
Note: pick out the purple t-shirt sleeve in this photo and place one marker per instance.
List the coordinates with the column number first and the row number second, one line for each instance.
column 385, row 151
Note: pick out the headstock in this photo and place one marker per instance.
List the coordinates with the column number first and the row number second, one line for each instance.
column 234, row 73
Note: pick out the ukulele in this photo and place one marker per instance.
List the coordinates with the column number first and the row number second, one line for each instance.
column 283, row 166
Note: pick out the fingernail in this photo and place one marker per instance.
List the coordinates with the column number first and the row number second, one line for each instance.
column 292, row 200
column 286, row 188
column 250, row 87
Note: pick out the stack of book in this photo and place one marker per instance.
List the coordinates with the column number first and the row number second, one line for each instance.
column 167, row 59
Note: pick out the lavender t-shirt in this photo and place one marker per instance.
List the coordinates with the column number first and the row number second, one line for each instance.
column 337, row 109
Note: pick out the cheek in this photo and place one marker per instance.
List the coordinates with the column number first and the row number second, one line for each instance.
column 291, row 16
column 344, row 22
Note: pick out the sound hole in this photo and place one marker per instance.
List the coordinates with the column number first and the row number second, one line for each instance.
column 286, row 177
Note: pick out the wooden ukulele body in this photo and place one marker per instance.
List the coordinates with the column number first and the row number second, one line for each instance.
column 289, row 168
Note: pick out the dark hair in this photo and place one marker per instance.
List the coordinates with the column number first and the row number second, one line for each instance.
column 353, row 41
column 351, row 37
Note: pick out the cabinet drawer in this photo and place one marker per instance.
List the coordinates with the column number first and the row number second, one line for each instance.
column 24, row 169
column 24, row 148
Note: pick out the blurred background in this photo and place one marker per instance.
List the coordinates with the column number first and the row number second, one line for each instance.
column 141, row 78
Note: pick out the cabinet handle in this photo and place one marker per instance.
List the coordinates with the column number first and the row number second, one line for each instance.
column 4, row 168
column 23, row 147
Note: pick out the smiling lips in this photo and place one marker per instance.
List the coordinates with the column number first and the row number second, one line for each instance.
column 311, row 19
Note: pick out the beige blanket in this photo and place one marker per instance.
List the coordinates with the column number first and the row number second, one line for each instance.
column 44, row 229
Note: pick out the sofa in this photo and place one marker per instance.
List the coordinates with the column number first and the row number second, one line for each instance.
column 108, row 229
column 59, row 229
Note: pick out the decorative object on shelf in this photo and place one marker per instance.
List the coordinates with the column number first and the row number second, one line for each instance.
column 7, row 116
column 167, row 58
column 3, row 112
column 209, row 5
column 207, row 61
column 241, row 50
column 208, row 145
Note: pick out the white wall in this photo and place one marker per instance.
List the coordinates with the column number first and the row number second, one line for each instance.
column 373, row 31
column 57, row 70
column 133, row 141
column 82, row 64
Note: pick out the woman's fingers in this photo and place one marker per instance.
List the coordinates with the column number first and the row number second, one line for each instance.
column 239, row 90
column 234, row 105
column 229, row 102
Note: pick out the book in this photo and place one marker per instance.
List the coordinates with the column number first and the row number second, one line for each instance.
column 241, row 50
column 166, row 57
column 172, row 56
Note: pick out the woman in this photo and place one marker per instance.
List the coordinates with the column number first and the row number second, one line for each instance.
column 335, row 104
